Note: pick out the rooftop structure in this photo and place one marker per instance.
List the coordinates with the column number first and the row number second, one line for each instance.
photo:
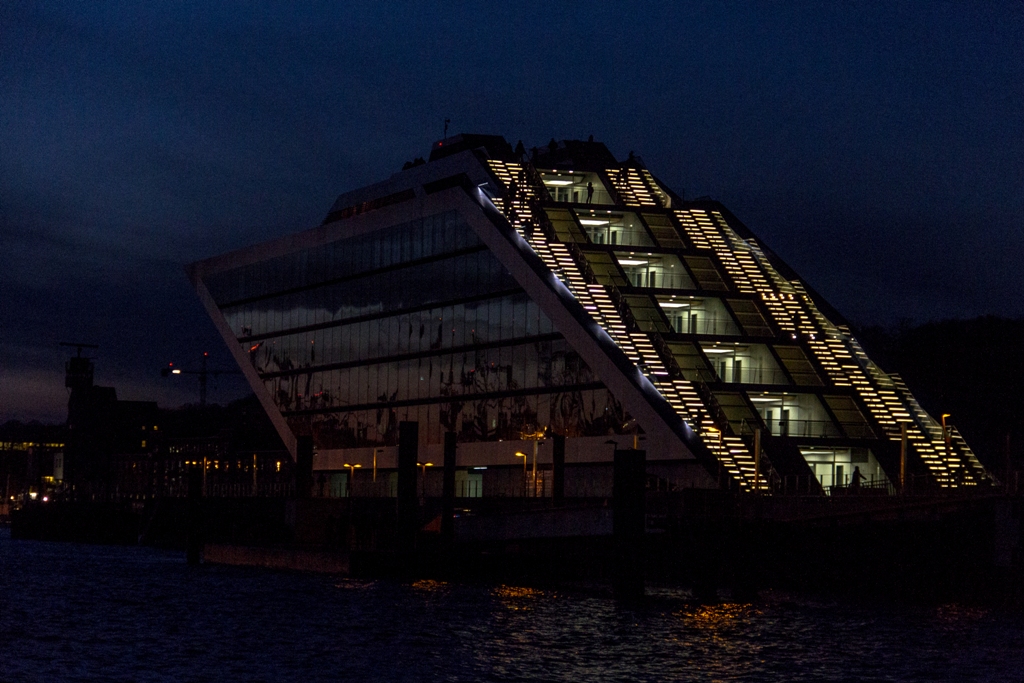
column 506, row 296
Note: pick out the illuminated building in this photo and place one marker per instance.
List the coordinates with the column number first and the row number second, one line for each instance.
column 504, row 296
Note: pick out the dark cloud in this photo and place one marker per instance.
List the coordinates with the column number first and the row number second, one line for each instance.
column 878, row 148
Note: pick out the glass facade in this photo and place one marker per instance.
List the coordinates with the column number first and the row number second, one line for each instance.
column 420, row 321
column 413, row 322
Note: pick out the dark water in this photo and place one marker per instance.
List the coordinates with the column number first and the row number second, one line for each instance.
column 88, row 613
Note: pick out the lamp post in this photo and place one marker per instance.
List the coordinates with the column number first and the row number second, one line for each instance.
column 718, row 454
column 535, row 445
column 520, row 454
column 351, row 476
column 423, row 484
column 945, row 439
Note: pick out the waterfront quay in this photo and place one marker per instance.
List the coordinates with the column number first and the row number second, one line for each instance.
column 637, row 531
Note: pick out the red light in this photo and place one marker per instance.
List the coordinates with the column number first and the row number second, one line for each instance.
column 205, row 353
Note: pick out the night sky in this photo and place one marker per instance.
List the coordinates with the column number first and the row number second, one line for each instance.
column 877, row 147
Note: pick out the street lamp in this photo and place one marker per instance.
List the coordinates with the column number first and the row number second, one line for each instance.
column 534, row 475
column 946, row 439
column 520, row 454
column 351, row 476
column 423, row 484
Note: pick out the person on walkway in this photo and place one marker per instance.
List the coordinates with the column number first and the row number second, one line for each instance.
column 590, row 192
column 855, row 480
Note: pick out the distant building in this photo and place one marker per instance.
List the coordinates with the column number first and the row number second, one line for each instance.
column 507, row 298
column 31, row 462
column 102, row 432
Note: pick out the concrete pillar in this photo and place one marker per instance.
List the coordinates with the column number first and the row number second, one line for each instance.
column 558, row 470
column 407, row 505
column 629, row 523
column 194, row 516
column 303, row 466
column 448, row 491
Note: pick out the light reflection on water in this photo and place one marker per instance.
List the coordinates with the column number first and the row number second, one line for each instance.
column 71, row 612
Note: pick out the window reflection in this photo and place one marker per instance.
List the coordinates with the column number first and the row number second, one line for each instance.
column 449, row 340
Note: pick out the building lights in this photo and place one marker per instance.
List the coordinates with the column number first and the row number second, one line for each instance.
column 742, row 295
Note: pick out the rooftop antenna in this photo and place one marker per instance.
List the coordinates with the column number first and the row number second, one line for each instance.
column 446, row 122
column 78, row 371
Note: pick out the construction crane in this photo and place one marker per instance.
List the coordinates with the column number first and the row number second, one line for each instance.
column 204, row 373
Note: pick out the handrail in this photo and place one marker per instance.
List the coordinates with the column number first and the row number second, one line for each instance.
column 748, row 375
column 822, row 429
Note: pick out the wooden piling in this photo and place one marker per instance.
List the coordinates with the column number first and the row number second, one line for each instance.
column 407, row 504
column 194, row 516
column 448, row 491
column 629, row 523
column 558, row 470
column 303, row 466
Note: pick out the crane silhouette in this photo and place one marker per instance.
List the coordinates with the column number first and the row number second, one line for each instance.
column 203, row 372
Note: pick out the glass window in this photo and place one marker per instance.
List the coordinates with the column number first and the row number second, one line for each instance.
column 605, row 269
column 744, row 363
column 690, row 361
column 796, row 415
column 734, row 407
column 749, row 316
column 835, row 467
column 646, row 313
column 799, row 367
column 663, row 230
column 851, row 419
column 565, row 226
column 707, row 275
column 698, row 315
column 579, row 187
column 659, row 271
column 610, row 227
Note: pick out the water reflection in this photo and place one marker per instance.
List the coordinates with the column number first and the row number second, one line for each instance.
column 70, row 612
column 517, row 598
column 430, row 586
column 716, row 617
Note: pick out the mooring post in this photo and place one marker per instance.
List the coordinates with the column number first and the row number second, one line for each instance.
column 629, row 523
column 448, row 491
column 558, row 470
column 407, row 504
column 903, row 458
column 194, row 515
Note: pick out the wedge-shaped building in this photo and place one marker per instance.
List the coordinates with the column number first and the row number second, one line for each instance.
column 506, row 297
